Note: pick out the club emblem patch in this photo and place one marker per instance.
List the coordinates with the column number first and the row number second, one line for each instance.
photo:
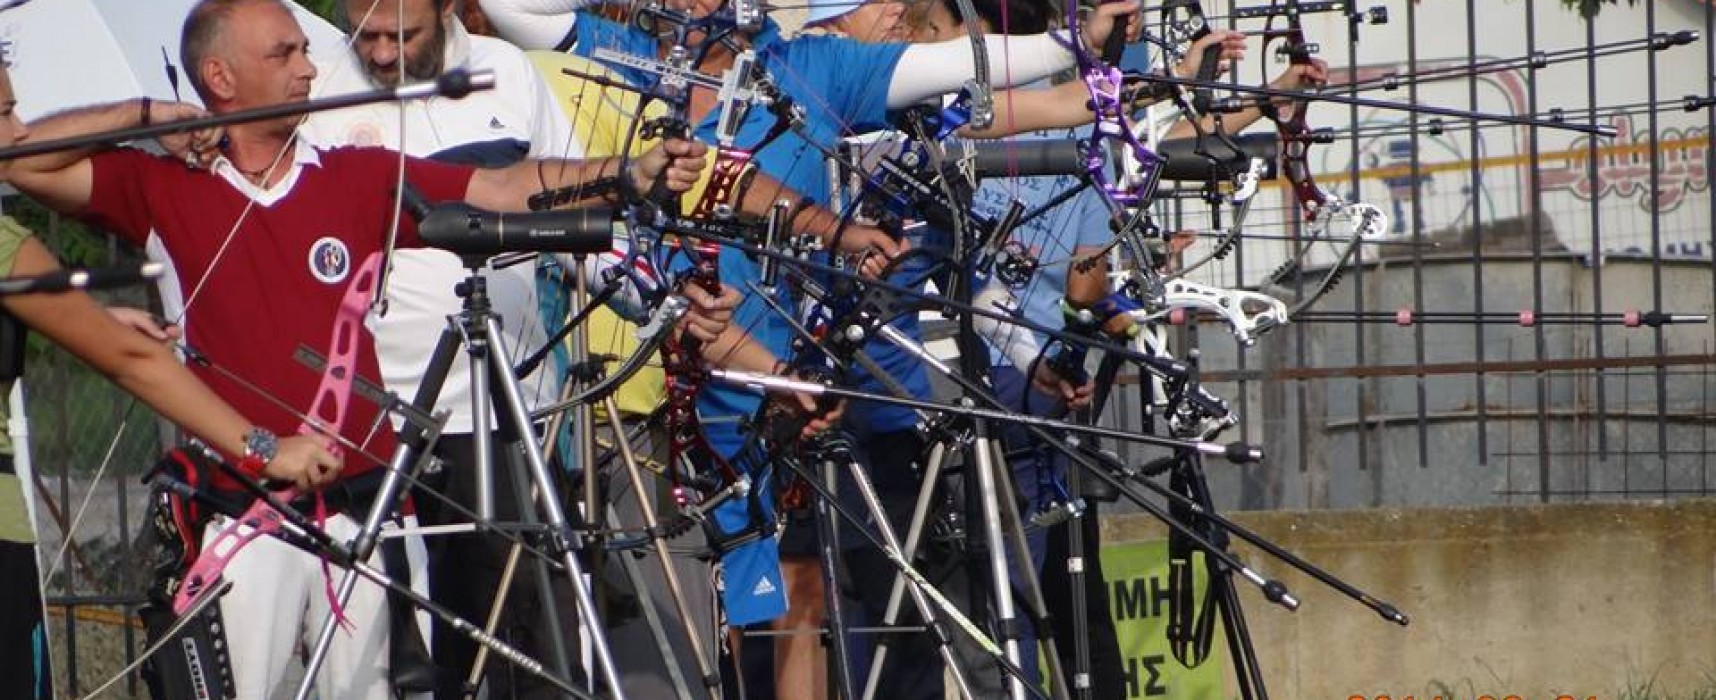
column 330, row 260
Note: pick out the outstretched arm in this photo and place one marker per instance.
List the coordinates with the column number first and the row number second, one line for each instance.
column 63, row 180
column 1023, row 111
column 147, row 369
column 1068, row 104
column 676, row 163
column 943, row 67
column 1307, row 76
column 535, row 24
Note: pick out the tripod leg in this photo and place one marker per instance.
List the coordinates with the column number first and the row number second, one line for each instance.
column 920, row 585
column 584, row 425
column 297, row 531
column 989, row 519
column 416, row 440
column 560, row 532
column 652, row 620
column 884, row 528
column 524, row 512
column 1075, row 570
column 1246, row 669
column 834, row 615
column 409, row 662
column 896, row 592
column 710, row 678
column 1248, row 674
column 364, row 544
column 474, row 679
column 1078, row 601
column 558, row 650
column 1029, row 580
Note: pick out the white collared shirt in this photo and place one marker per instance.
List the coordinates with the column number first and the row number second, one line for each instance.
column 520, row 108
column 303, row 154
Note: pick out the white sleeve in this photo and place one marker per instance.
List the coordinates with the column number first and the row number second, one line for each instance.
column 944, row 67
column 534, row 24
column 1014, row 342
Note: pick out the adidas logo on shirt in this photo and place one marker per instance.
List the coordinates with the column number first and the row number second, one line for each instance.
column 764, row 587
column 495, row 123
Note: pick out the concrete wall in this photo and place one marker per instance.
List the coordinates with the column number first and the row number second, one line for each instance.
column 1534, row 601
column 1356, row 443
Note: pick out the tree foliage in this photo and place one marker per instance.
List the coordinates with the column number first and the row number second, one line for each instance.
column 1589, row 8
column 323, row 8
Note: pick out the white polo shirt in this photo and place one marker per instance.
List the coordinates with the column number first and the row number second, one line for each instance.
column 491, row 127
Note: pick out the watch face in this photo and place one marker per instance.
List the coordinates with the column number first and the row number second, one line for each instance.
column 261, row 443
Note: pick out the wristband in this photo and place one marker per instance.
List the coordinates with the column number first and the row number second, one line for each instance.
column 253, row 466
column 1100, row 313
column 146, row 103
column 797, row 209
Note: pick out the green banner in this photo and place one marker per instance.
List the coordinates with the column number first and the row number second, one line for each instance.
column 1139, row 588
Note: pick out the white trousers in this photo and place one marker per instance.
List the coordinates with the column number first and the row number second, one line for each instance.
column 278, row 604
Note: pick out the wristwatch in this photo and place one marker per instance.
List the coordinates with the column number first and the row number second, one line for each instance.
column 260, row 445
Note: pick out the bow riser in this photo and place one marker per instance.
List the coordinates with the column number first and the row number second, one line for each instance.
column 325, row 417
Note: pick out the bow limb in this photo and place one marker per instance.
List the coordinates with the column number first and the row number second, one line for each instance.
column 1184, row 24
column 326, row 416
column 1111, row 125
column 1245, row 187
column 1248, row 314
column 1128, row 199
column 1364, row 222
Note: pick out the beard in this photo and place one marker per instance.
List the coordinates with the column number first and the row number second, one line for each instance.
column 422, row 67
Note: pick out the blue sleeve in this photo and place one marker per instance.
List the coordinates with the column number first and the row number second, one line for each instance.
column 1090, row 218
column 594, row 31
column 851, row 77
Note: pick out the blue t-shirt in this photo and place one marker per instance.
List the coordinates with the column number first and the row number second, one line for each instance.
column 842, row 86
column 819, row 74
column 1081, row 221
column 866, row 418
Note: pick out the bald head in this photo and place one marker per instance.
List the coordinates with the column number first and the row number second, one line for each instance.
column 203, row 37
column 246, row 54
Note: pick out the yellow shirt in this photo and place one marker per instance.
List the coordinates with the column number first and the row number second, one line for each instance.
column 15, row 523
column 602, row 117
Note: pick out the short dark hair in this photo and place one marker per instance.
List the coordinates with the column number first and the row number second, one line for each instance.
column 1023, row 16
column 343, row 20
column 203, row 27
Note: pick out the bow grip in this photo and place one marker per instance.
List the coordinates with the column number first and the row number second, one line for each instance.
column 1115, row 44
column 328, row 410
column 1068, row 364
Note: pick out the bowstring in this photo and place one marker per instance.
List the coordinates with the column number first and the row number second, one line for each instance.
column 1013, row 184
column 1048, row 232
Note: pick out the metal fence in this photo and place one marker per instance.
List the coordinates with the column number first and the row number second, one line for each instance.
column 1491, row 220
